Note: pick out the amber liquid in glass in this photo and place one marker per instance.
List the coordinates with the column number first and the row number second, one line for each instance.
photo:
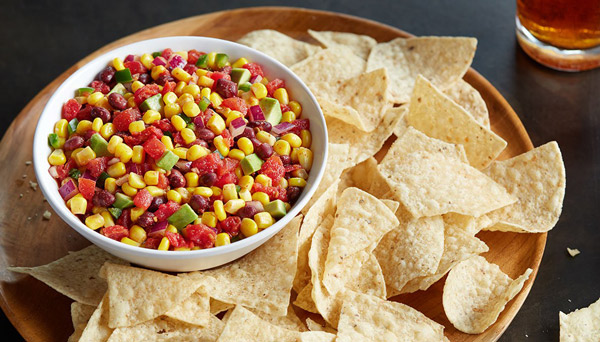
column 567, row 24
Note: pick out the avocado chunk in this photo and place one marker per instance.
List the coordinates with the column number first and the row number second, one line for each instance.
column 99, row 145
column 182, row 217
column 123, row 76
column 251, row 163
column 240, row 75
column 271, row 109
column 221, row 60
column 167, row 161
column 85, row 90
column 153, row 102
column 115, row 212
column 276, row 208
column 122, row 201
column 119, row 89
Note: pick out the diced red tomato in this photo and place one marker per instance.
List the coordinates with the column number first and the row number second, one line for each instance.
column 142, row 199
column 285, row 108
column 85, row 113
column 163, row 181
column 176, row 240
column 228, row 178
column 292, row 167
column 165, row 210
column 145, row 92
column 132, row 140
column 207, row 163
column 227, row 138
column 227, row 165
column 70, row 109
column 116, row 232
column 193, row 56
column 274, row 85
column 274, row 192
column 231, row 225
column 218, row 75
column 236, row 103
column 178, row 139
column 164, row 125
column 150, row 132
column 201, row 235
column 190, row 68
column 273, row 168
column 299, row 125
column 255, row 69
column 87, row 188
column 151, row 243
column 96, row 166
column 135, row 67
column 122, row 120
column 125, row 218
column 63, row 170
column 100, row 86
column 169, row 86
column 154, row 148
column 167, row 53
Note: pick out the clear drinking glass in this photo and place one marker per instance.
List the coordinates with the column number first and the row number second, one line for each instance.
column 561, row 34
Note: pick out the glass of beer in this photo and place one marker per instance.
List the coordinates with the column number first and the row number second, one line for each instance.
column 561, row 34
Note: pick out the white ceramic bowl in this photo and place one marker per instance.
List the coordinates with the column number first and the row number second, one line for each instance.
column 171, row 260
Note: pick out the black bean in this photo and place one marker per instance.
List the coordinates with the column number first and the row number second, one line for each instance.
column 107, row 74
column 208, row 179
column 264, row 151
column 144, row 78
column 102, row 113
column 205, row 134
column 176, row 179
column 163, row 79
column 248, row 133
column 73, row 143
column 103, row 198
column 117, row 101
column 255, row 142
column 286, row 160
column 199, row 203
column 146, row 219
column 293, row 192
column 262, row 125
column 156, row 202
column 226, row 88
column 247, row 212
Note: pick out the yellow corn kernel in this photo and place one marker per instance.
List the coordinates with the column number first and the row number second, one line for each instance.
column 110, row 185
column 78, row 205
column 155, row 191
column 245, row 145
column 137, row 233
column 107, row 130
column 283, row 183
column 136, row 85
column 185, row 98
column 219, row 143
column 94, row 221
column 191, row 179
column 97, row 210
column 73, row 154
column 114, row 141
column 282, row 96
column 61, row 142
column 246, row 182
column 192, row 89
column 130, row 242
column 264, row 220
column 94, row 98
column 83, row 126
column 118, row 63
column 174, row 196
column 166, row 140
column 216, row 124
column 287, row 206
column 137, row 127
column 305, row 158
column 203, row 191
column 181, row 152
column 131, row 102
column 246, row 195
column 151, row 177
column 264, row 180
column 205, row 92
column 178, row 122
column 172, row 229
column 229, row 192
column 139, row 155
column 57, row 157
column 188, row 135
column 117, row 170
column 266, row 137
column 295, row 107
column 201, row 72
column 297, row 181
column 179, row 88
column 136, row 181
column 60, row 128
column 210, row 59
column 157, row 71
column 183, row 54
column 196, row 152
column 123, row 152
column 181, row 74
column 216, row 190
column 288, row 116
column 301, row 173
column 236, row 154
column 136, row 213
column 232, row 115
column 249, row 227
column 306, row 137
column 222, row 239
column 216, row 99
column 191, row 109
column 146, row 60
column 170, row 97
column 108, row 219
column 259, row 90
column 128, row 95
column 85, row 155
column 185, row 194
column 181, row 249
column 261, row 197
column 164, row 244
column 219, row 210
column 264, row 81
column 293, row 139
column 282, row 148
column 129, row 190
column 233, row 206
column 240, row 63
column 206, row 82
column 151, row 116
column 238, row 172
column 209, row 218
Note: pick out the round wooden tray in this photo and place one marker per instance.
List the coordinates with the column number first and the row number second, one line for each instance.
column 41, row 314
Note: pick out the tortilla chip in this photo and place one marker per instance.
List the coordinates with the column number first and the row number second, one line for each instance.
column 315, row 326
column 475, row 293
column 244, row 326
column 434, row 114
column 360, row 44
column 76, row 274
column 194, row 310
column 132, row 293
column 329, row 65
column 414, row 140
column 537, row 179
column 165, row 329
column 581, row 325
column 81, row 313
column 316, row 336
column 430, row 184
column 400, row 125
column 290, row 321
column 368, row 318
column 76, row 335
column 97, row 329
column 469, row 98
column 573, row 252
column 261, row 280
column 285, row 49
column 360, row 101
column 365, row 176
column 322, row 207
column 304, row 299
column 460, row 244
column 443, row 60
column 361, row 220
column 217, row 306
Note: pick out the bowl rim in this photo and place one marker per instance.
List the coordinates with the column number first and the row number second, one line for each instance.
column 252, row 242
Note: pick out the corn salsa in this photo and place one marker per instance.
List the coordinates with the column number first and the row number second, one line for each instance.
column 181, row 150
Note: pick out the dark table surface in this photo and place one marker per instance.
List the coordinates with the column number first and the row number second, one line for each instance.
column 41, row 39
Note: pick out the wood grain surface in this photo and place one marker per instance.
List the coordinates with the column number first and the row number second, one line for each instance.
column 41, row 314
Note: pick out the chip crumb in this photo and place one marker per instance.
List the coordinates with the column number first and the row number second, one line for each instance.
column 526, row 335
column 29, row 218
column 33, row 185
column 24, row 176
column 27, row 163
column 569, row 300
column 20, row 195
column 573, row 252
column 47, row 215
